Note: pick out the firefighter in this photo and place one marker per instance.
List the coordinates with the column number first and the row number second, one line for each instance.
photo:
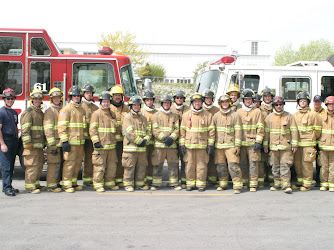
column 267, row 97
column 33, row 142
column 120, row 109
column 137, row 133
column 197, row 143
column 89, row 107
column 326, row 145
column 179, row 107
column 166, row 131
column 227, row 145
column 233, row 91
column 72, row 129
column 309, row 129
column 148, row 110
column 317, row 107
column 209, row 97
column 252, row 137
column 281, row 137
column 54, row 150
column 102, row 131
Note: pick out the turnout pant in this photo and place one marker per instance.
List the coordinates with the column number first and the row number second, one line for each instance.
column 249, row 160
column 183, row 165
column 33, row 160
column 72, row 164
column 281, row 162
column 7, row 161
column 134, row 164
column 304, row 158
column 327, row 168
column 87, row 171
column 104, row 168
column 228, row 162
column 196, row 167
column 53, row 172
column 120, row 169
column 212, row 170
column 149, row 169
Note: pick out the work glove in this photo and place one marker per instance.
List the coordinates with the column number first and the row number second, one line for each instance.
column 98, row 145
column 28, row 146
column 119, row 144
column 257, row 146
column 237, row 150
column 53, row 150
column 168, row 141
column 183, row 150
column 143, row 143
column 210, row 150
column 87, row 143
column 66, row 146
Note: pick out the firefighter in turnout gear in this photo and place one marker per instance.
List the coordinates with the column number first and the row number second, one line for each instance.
column 281, row 137
column 166, row 131
column 137, row 133
column 102, row 131
column 72, row 130
column 309, row 129
column 33, row 141
column 227, row 145
column 179, row 107
column 120, row 109
column 326, row 145
column 89, row 107
column 148, row 110
column 233, row 91
column 197, row 142
column 54, row 150
column 209, row 97
column 252, row 137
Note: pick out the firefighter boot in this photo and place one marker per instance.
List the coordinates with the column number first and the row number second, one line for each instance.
column 323, row 189
column 78, row 188
column 34, row 191
column 331, row 189
column 237, row 191
column 129, row 189
column 69, row 190
column 274, row 188
column 287, row 190
column 305, row 188
column 155, row 188
column 252, row 189
column 178, row 188
column 54, row 190
column 100, row 190
column 220, row 189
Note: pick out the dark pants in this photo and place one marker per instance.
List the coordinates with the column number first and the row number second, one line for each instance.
column 7, row 161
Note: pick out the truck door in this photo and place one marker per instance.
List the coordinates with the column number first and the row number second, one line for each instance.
column 327, row 86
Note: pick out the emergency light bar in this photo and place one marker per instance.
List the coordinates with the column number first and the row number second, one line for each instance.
column 105, row 51
column 225, row 60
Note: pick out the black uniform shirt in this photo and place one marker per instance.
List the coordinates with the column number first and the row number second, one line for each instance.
column 9, row 120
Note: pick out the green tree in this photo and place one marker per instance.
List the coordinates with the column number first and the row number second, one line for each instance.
column 124, row 43
column 317, row 50
column 155, row 72
column 199, row 67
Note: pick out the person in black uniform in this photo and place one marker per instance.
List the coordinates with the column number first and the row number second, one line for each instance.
column 8, row 141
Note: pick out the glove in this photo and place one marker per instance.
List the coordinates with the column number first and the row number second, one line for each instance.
column 143, row 143
column 98, row 145
column 210, row 150
column 183, row 150
column 237, row 150
column 257, row 146
column 168, row 141
column 66, row 146
column 119, row 144
column 87, row 143
column 28, row 146
column 53, row 150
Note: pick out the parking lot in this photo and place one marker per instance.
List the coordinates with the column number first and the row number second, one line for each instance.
column 166, row 219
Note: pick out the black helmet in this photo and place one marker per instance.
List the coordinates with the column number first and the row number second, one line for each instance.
column 247, row 93
column 258, row 98
column 208, row 93
column 196, row 96
column 136, row 99
column 180, row 93
column 105, row 95
column 166, row 98
column 88, row 88
column 268, row 91
column 148, row 94
column 303, row 95
column 75, row 90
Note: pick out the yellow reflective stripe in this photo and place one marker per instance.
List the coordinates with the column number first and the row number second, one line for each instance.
column 327, row 131
column 49, row 126
column 134, row 149
column 306, row 144
column 26, row 138
column 224, row 129
column 95, row 138
column 106, row 130
column 77, row 125
column 110, row 183
column 197, row 130
column 60, row 123
column 200, row 183
column 157, row 181
column 324, row 147
column 77, row 142
column 195, row 146
column 51, row 140
column 26, row 125
column 224, row 145
column 278, row 131
column 163, row 145
column 192, row 183
column 38, row 145
column 279, row 147
column 308, row 128
column 94, row 124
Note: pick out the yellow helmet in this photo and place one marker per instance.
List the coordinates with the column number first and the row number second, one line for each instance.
column 233, row 87
column 117, row 89
column 36, row 93
column 224, row 97
column 54, row 92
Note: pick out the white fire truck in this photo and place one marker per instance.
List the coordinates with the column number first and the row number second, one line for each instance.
column 317, row 78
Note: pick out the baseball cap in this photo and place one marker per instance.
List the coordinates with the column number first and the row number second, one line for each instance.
column 317, row 98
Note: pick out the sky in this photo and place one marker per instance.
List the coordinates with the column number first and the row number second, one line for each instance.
column 209, row 22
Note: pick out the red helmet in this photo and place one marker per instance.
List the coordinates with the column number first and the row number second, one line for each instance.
column 8, row 93
column 278, row 99
column 329, row 99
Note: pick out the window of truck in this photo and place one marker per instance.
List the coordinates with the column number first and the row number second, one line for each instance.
column 99, row 75
column 39, row 47
column 292, row 86
column 11, row 46
column 127, row 78
column 40, row 76
column 11, row 76
column 208, row 80
column 327, row 86
column 248, row 82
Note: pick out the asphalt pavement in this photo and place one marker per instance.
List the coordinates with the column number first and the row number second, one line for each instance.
column 166, row 219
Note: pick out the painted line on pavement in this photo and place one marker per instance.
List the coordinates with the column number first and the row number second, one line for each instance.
column 163, row 194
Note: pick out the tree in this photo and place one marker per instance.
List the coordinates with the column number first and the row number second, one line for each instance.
column 318, row 50
column 199, row 67
column 152, row 71
column 124, row 43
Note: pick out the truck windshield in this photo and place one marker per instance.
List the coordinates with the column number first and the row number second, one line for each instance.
column 208, row 80
column 129, row 84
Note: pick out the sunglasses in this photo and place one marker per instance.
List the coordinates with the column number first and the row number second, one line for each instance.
column 178, row 97
column 10, row 99
column 278, row 105
column 76, row 95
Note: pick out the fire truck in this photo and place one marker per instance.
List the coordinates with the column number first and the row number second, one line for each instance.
column 30, row 59
column 317, row 78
